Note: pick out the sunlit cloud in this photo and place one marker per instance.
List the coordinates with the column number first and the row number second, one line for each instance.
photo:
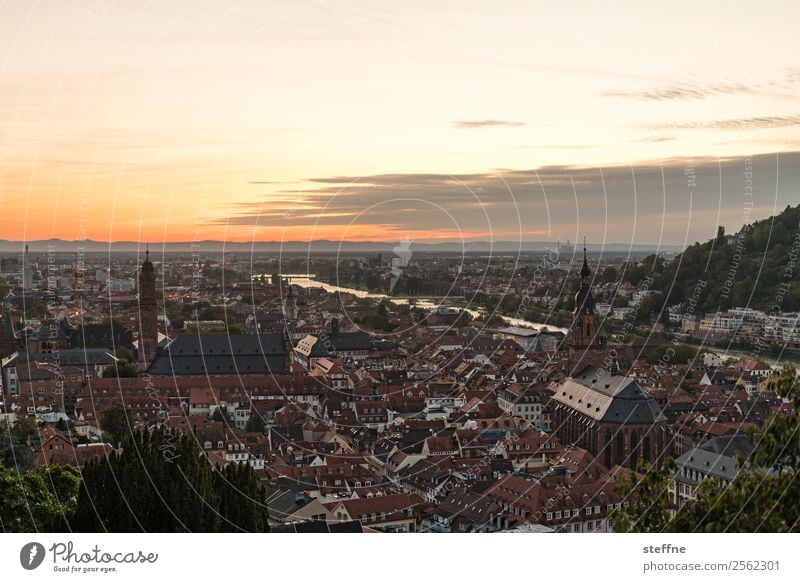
column 485, row 123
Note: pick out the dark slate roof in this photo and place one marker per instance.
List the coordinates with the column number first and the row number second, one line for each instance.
column 45, row 330
column 222, row 354
column 319, row 527
column 344, row 341
column 606, row 398
column 101, row 335
column 67, row 357
column 715, row 458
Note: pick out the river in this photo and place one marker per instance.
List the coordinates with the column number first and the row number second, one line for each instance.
column 307, row 280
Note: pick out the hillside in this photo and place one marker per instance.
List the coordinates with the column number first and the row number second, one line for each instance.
column 755, row 267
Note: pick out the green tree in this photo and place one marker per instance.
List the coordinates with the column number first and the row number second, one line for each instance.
column 120, row 369
column 764, row 497
column 255, row 423
column 13, row 453
column 43, row 499
column 37, row 309
column 117, row 422
column 24, row 428
column 124, row 354
column 221, row 414
column 647, row 499
column 162, row 482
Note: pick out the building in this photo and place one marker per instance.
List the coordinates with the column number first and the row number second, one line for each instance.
column 610, row 416
column 587, row 347
column 527, row 403
column 715, row 458
column 202, row 354
column 355, row 346
column 148, row 314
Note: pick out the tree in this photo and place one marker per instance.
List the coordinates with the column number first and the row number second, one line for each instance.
column 24, row 427
column 221, row 414
column 37, row 310
column 673, row 354
column 124, row 354
column 43, row 499
column 162, row 482
column 255, row 423
column 647, row 499
column 120, row 369
column 762, row 498
column 13, row 453
column 117, row 422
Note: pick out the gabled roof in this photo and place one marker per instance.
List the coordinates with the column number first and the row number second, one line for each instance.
column 606, row 398
column 222, row 354
column 716, row 457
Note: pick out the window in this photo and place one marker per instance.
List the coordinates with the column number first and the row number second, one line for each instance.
column 558, row 515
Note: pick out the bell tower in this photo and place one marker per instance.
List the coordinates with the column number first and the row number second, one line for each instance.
column 587, row 347
column 148, row 313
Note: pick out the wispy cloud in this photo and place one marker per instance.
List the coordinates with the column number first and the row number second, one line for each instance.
column 766, row 122
column 485, row 123
column 685, row 91
column 782, row 86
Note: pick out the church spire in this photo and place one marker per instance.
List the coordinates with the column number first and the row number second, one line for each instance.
column 585, row 270
column 584, row 300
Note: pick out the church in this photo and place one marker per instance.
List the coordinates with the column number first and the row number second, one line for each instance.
column 201, row 354
column 597, row 407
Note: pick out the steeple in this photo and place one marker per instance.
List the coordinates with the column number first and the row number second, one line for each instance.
column 585, row 270
column 586, row 345
column 584, row 300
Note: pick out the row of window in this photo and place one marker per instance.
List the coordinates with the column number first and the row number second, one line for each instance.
column 576, row 512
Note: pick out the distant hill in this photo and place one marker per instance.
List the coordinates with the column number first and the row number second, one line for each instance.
column 317, row 246
column 755, row 267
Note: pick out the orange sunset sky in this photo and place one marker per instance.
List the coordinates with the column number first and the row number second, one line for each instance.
column 279, row 120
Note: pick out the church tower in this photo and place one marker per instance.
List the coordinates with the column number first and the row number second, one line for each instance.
column 289, row 305
column 8, row 338
column 586, row 347
column 148, row 314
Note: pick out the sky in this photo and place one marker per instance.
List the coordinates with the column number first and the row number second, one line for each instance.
column 640, row 122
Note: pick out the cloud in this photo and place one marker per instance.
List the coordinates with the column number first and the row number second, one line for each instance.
column 485, row 123
column 744, row 123
column 783, row 86
column 674, row 92
column 642, row 203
